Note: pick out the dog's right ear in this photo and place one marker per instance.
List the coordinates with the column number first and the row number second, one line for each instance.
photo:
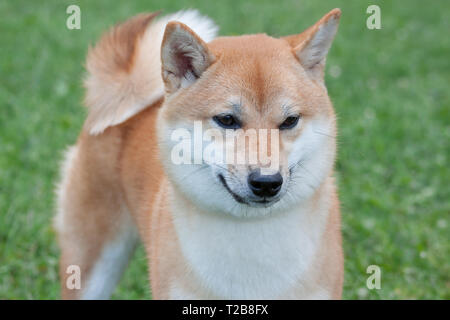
column 184, row 56
column 312, row 45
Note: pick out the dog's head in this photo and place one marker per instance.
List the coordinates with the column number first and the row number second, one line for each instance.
column 267, row 92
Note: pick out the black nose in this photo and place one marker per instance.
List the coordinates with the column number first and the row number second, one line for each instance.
column 264, row 185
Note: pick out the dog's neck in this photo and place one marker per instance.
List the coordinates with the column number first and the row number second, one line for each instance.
column 238, row 258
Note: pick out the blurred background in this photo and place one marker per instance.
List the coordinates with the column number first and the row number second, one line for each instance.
column 390, row 88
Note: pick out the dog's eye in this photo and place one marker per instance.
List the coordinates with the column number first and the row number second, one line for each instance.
column 227, row 121
column 289, row 122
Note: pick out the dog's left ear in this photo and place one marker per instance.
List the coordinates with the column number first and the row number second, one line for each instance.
column 312, row 45
column 184, row 56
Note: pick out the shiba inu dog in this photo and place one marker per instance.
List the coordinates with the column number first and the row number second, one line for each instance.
column 211, row 231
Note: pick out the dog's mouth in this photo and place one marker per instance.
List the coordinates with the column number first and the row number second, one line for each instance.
column 236, row 197
column 264, row 202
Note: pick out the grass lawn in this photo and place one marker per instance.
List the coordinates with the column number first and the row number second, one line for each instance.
column 390, row 88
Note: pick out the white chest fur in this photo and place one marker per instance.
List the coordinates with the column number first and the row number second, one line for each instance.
column 236, row 258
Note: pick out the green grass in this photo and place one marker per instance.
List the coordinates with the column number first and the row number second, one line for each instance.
column 389, row 87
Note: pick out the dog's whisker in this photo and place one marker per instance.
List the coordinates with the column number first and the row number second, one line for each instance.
column 323, row 133
column 194, row 172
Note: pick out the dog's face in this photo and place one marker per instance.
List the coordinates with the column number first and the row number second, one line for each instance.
column 262, row 102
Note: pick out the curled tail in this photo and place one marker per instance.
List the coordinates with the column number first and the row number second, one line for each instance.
column 124, row 68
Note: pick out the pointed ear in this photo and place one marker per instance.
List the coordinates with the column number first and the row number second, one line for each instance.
column 311, row 46
column 184, row 56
